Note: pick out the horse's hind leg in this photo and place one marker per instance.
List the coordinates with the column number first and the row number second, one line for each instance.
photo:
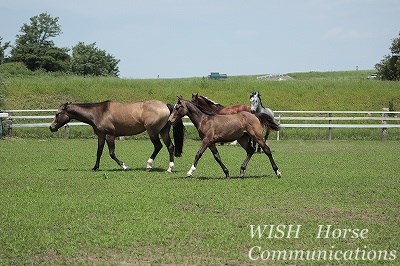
column 100, row 146
column 111, row 147
column 267, row 131
column 157, row 147
column 267, row 151
column 168, row 142
column 245, row 142
column 217, row 157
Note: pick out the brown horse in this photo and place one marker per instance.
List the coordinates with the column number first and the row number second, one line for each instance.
column 209, row 105
column 112, row 119
column 214, row 128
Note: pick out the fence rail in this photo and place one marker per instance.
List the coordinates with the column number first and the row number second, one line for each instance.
column 310, row 119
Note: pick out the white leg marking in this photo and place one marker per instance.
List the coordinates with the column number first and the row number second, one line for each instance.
column 171, row 167
column 191, row 171
column 278, row 174
column 124, row 166
column 149, row 164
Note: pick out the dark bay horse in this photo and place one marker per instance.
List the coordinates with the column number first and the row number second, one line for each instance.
column 214, row 128
column 209, row 105
column 112, row 119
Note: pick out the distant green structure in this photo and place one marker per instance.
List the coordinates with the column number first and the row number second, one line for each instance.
column 217, row 76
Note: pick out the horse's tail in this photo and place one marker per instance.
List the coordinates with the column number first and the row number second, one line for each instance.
column 178, row 132
column 267, row 121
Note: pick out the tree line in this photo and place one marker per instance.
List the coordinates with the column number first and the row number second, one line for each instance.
column 34, row 47
column 389, row 67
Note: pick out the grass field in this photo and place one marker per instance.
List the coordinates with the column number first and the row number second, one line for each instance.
column 54, row 210
column 347, row 90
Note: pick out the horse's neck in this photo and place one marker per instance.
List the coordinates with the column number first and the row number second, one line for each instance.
column 83, row 114
column 194, row 114
column 260, row 106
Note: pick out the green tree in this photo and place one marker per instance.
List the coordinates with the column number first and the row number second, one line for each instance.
column 3, row 48
column 35, row 48
column 389, row 67
column 87, row 59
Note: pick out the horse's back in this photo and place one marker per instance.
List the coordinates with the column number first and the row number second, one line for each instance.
column 135, row 118
column 228, row 110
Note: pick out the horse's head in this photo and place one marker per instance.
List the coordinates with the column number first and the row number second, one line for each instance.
column 206, row 104
column 198, row 100
column 179, row 111
column 255, row 101
column 61, row 118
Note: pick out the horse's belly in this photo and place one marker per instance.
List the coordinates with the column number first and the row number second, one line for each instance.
column 228, row 135
column 129, row 130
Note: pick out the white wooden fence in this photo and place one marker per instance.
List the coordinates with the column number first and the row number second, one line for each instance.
column 384, row 120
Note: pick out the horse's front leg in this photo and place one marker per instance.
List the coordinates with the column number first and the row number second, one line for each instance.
column 217, row 157
column 111, row 147
column 199, row 153
column 267, row 151
column 246, row 144
column 100, row 145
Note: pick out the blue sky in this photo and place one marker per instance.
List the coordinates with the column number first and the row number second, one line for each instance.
column 188, row 38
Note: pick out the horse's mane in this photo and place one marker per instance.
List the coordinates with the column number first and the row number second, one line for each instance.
column 104, row 105
column 207, row 108
column 204, row 109
column 210, row 102
column 93, row 104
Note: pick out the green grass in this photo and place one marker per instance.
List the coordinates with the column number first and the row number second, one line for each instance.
column 343, row 90
column 54, row 210
column 347, row 90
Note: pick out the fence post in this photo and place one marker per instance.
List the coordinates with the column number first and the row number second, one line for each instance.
column 8, row 124
column 2, row 115
column 384, row 133
column 329, row 128
column 279, row 122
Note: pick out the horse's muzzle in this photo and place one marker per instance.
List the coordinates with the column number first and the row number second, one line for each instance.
column 171, row 120
column 53, row 128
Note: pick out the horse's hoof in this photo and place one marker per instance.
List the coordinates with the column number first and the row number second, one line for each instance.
column 278, row 174
column 126, row 168
column 148, row 169
column 169, row 171
column 94, row 169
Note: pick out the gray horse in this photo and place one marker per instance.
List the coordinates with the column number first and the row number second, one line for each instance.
column 256, row 106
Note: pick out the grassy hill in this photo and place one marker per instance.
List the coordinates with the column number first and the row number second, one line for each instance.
column 348, row 90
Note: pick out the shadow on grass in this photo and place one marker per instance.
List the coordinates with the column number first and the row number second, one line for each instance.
column 223, row 178
column 138, row 169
